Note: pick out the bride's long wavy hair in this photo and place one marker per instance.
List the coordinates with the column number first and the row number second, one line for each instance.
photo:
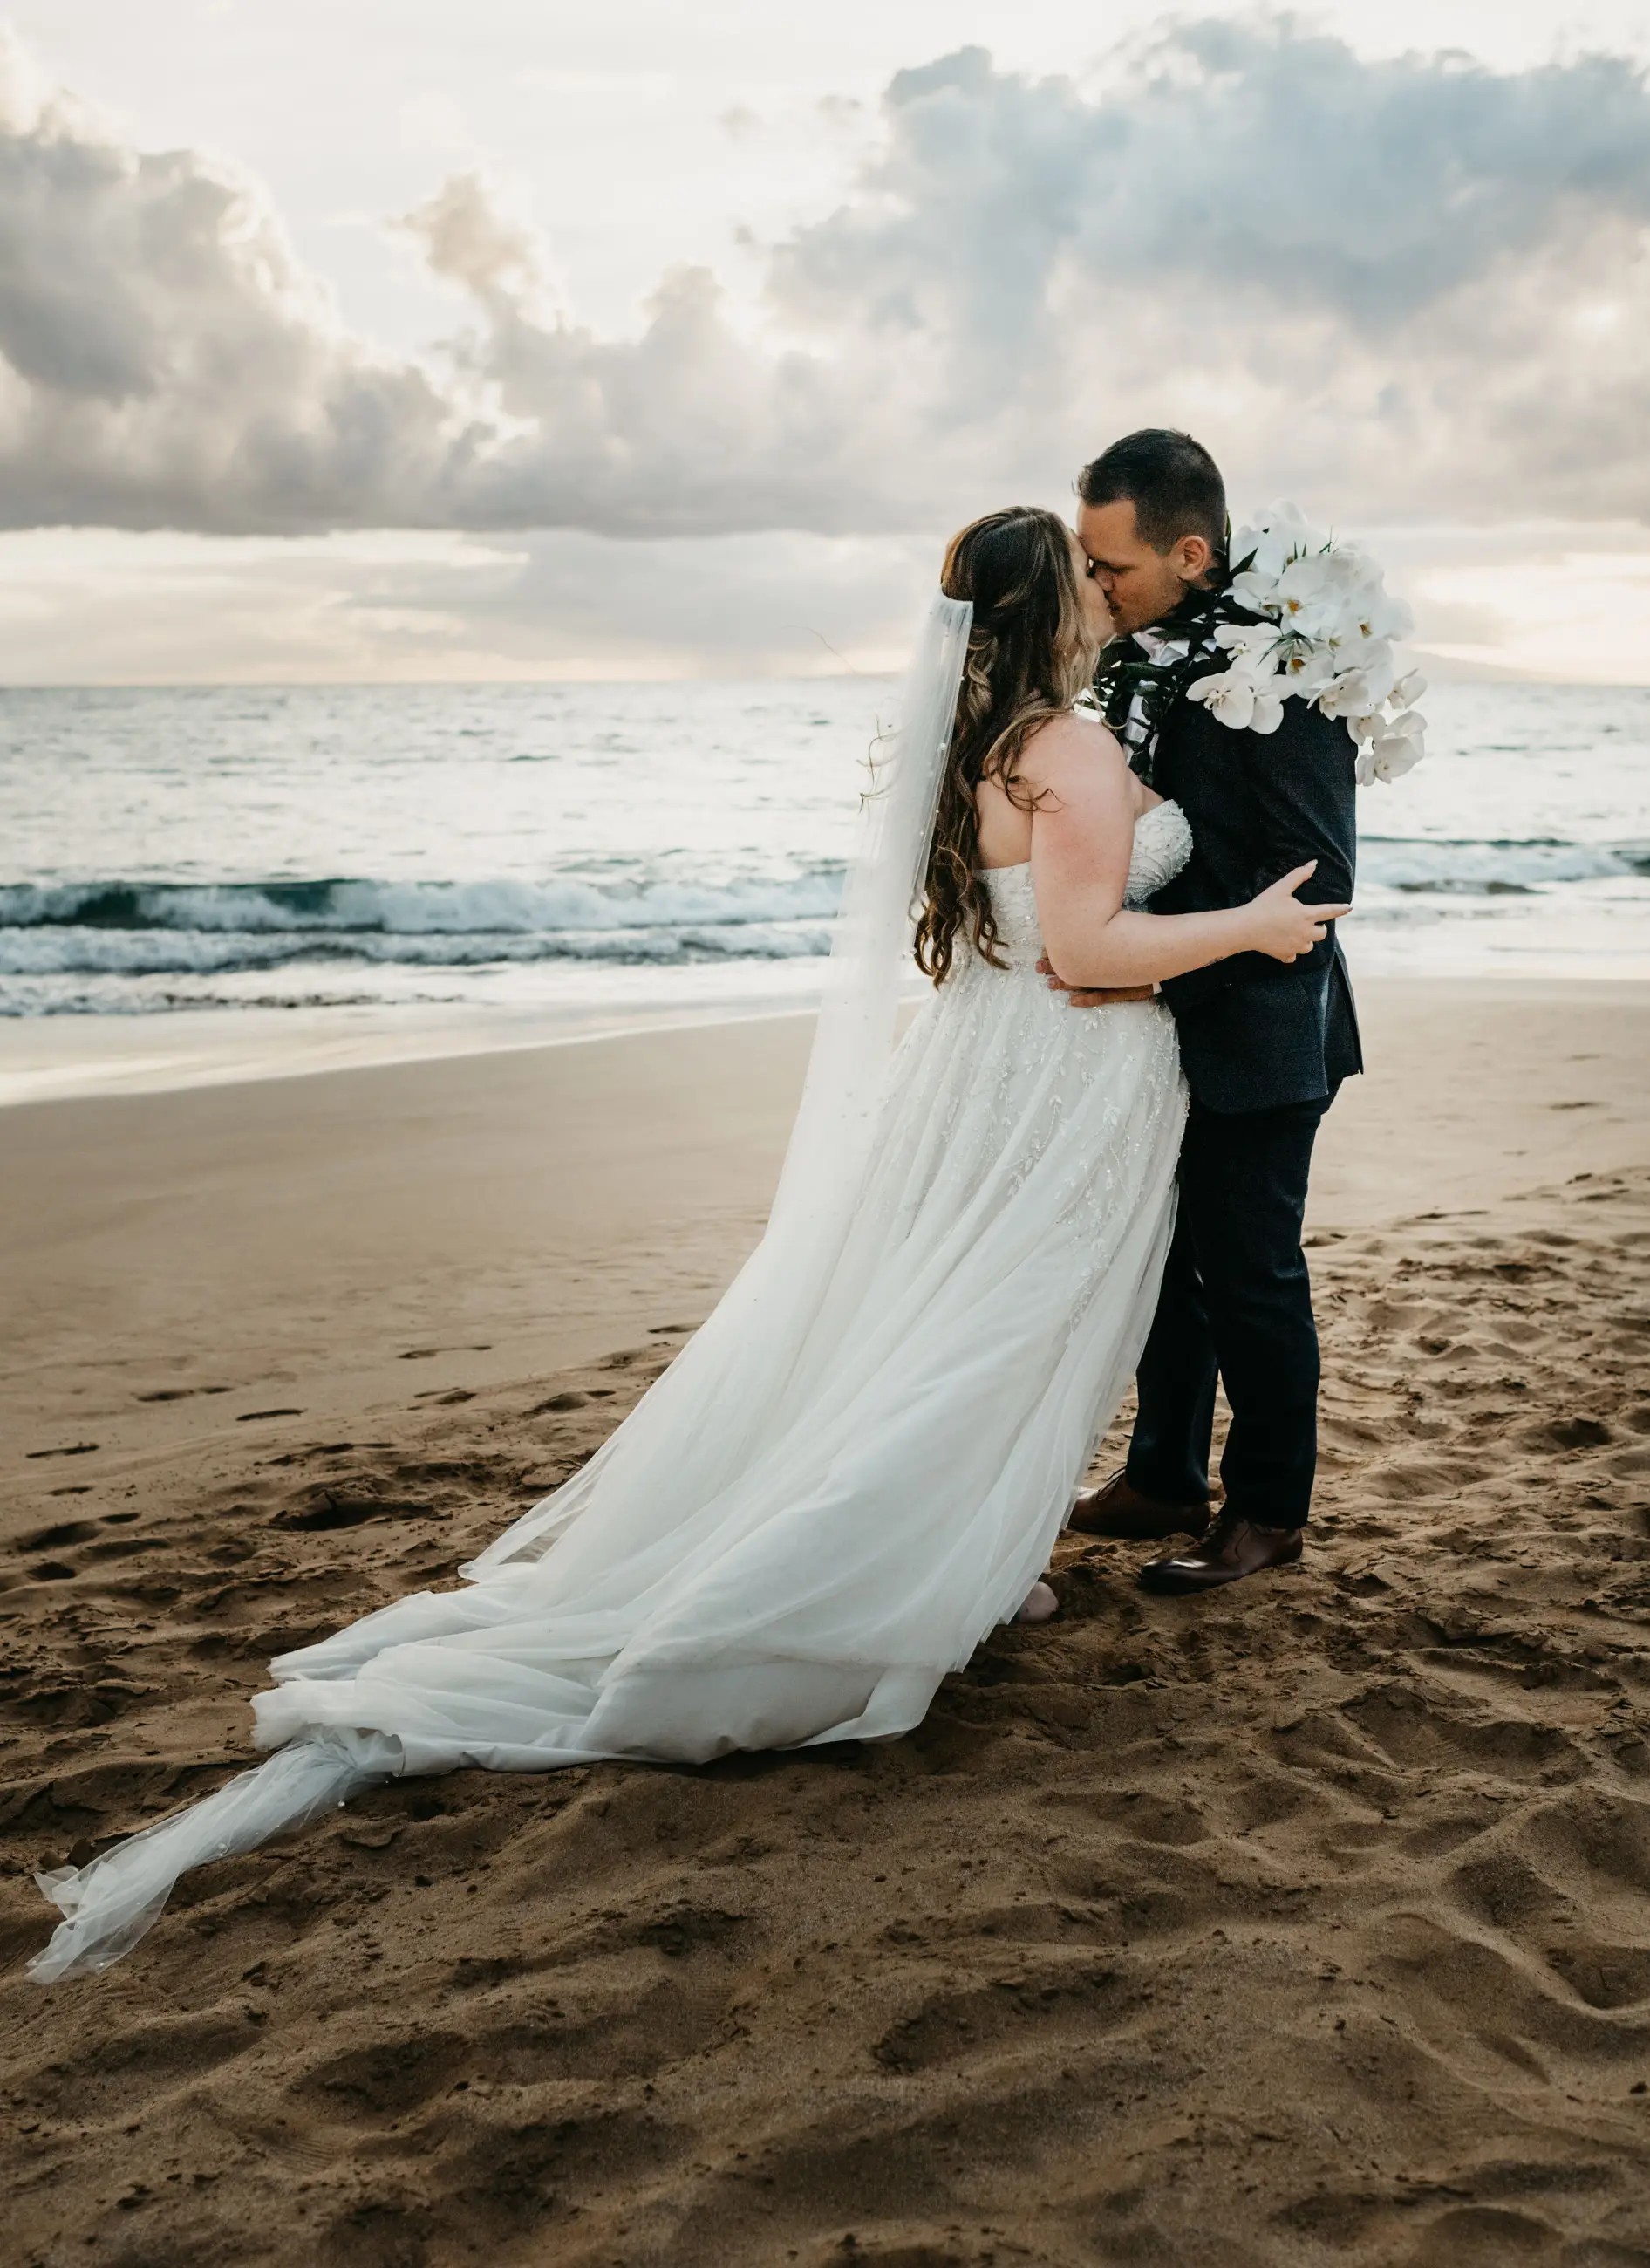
column 1030, row 652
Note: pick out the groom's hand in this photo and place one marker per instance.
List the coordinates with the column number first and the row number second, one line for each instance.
column 1078, row 999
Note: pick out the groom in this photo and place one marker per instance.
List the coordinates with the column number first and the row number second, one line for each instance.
column 1264, row 1045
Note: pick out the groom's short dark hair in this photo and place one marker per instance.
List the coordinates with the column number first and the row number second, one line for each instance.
column 1172, row 481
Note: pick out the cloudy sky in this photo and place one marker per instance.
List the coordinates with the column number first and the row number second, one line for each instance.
column 391, row 338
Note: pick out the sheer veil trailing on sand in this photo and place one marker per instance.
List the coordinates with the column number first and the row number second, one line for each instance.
column 740, row 1360
column 656, row 1628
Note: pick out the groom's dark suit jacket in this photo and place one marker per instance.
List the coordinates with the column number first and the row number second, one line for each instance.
column 1256, row 1034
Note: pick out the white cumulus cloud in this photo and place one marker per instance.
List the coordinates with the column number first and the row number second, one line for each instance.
column 1406, row 288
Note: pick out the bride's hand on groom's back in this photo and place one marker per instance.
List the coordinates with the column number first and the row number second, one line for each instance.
column 1281, row 926
column 1079, row 998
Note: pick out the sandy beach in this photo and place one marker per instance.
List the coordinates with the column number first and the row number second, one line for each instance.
column 1305, row 1923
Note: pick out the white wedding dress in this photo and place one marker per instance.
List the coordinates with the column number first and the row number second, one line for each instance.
column 849, row 1476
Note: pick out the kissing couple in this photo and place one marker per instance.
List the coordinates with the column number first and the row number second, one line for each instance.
column 1085, row 1160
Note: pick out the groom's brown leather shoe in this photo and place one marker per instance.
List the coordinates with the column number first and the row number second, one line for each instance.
column 1232, row 1548
column 1118, row 1508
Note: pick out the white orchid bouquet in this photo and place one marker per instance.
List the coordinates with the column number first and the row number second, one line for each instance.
column 1326, row 635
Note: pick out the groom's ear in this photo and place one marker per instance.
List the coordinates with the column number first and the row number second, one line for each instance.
column 1193, row 557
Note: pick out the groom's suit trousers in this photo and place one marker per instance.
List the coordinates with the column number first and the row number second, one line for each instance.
column 1235, row 1306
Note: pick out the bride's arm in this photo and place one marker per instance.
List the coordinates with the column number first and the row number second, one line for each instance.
column 1083, row 836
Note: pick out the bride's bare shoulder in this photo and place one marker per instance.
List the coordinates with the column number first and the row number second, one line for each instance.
column 1076, row 740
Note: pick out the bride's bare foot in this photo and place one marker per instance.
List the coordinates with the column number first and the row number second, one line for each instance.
column 1039, row 1605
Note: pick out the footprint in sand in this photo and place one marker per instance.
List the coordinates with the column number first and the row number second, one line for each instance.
column 58, row 1538
column 246, row 1416
column 427, row 1354
column 73, row 1449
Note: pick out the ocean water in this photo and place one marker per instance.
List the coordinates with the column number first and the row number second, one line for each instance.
column 586, row 847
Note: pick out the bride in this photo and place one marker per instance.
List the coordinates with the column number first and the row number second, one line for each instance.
column 860, row 1464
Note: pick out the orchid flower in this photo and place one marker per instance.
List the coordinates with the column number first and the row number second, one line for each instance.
column 1326, row 635
column 1230, row 696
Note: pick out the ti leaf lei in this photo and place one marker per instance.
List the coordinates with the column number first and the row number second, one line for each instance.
column 1140, row 679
